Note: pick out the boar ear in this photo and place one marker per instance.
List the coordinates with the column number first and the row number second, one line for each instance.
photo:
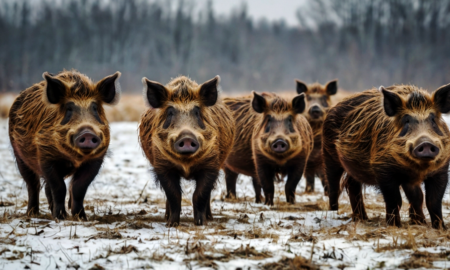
column 109, row 88
column 391, row 102
column 55, row 89
column 441, row 98
column 259, row 103
column 298, row 103
column 209, row 91
column 331, row 87
column 155, row 94
column 301, row 87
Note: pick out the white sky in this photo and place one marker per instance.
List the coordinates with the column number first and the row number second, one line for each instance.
column 272, row 10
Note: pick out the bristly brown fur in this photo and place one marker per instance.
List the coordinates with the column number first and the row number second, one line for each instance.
column 44, row 122
column 251, row 143
column 32, row 121
column 316, row 95
column 371, row 136
column 361, row 140
column 218, row 135
column 183, row 110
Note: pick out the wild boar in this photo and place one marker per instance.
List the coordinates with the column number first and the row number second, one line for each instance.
column 187, row 132
column 318, row 103
column 389, row 138
column 272, row 137
column 57, row 129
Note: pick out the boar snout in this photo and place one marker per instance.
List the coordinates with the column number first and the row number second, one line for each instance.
column 280, row 146
column 186, row 144
column 425, row 149
column 315, row 112
column 86, row 139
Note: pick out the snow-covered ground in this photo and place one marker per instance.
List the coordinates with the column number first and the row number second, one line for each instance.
column 126, row 227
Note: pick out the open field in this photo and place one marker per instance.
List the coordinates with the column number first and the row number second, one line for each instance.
column 126, row 228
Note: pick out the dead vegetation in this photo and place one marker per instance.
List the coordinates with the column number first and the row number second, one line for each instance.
column 296, row 263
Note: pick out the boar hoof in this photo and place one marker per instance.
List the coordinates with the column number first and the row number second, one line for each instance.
column 269, row 200
column 418, row 221
column 59, row 212
column 439, row 225
column 309, row 189
column 209, row 217
column 32, row 211
column 80, row 214
column 259, row 199
column 393, row 221
column 290, row 199
column 200, row 221
column 173, row 222
column 359, row 217
column 230, row 195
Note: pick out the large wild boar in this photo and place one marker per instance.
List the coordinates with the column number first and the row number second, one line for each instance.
column 389, row 138
column 272, row 137
column 318, row 103
column 57, row 129
column 187, row 132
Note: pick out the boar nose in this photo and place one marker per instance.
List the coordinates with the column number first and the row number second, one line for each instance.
column 187, row 144
column 426, row 150
column 280, row 146
column 86, row 139
column 315, row 111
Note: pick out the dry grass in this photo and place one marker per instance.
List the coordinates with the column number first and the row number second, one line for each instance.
column 297, row 263
column 6, row 101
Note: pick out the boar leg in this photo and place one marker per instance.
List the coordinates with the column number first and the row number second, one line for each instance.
column 309, row 175
column 354, row 189
column 393, row 200
column 322, row 178
column 48, row 194
column 33, row 187
column 170, row 182
column 333, row 173
column 257, row 187
column 54, row 173
column 81, row 180
column 230, row 179
column 202, row 194
column 435, row 187
column 266, row 175
column 415, row 198
column 294, row 175
column 209, row 215
column 309, row 183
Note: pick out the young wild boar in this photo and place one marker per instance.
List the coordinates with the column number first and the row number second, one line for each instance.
column 188, row 132
column 317, row 105
column 272, row 137
column 389, row 138
column 58, row 128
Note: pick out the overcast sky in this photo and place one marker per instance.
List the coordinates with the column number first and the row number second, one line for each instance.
column 258, row 9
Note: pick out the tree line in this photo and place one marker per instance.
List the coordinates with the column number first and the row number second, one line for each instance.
column 363, row 43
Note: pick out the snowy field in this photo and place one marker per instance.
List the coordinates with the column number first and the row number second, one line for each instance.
column 126, row 227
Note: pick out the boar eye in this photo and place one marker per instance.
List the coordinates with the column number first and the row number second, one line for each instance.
column 405, row 121
column 199, row 118
column 68, row 114
column 324, row 102
column 170, row 114
column 434, row 125
column 268, row 124
column 290, row 125
column 94, row 108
